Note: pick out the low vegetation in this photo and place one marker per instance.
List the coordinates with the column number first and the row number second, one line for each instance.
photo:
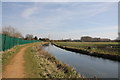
column 8, row 55
column 112, row 48
column 41, row 64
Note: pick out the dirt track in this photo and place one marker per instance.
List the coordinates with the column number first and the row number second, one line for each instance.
column 15, row 69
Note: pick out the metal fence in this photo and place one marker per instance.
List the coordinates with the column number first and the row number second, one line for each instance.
column 7, row 42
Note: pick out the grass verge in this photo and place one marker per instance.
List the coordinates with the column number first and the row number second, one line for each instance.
column 8, row 55
column 41, row 64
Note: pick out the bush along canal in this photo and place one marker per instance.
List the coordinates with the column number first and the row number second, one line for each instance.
column 89, row 66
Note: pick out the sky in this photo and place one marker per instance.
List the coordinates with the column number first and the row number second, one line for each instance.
column 62, row 20
column 60, row 0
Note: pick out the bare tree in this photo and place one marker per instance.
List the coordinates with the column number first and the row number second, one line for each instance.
column 29, row 37
column 11, row 31
column 18, row 34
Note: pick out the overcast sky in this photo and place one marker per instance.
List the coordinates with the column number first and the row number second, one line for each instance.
column 62, row 20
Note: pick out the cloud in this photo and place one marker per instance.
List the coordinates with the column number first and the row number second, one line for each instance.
column 100, row 8
column 72, row 11
column 66, row 10
column 58, row 16
column 29, row 12
column 63, row 20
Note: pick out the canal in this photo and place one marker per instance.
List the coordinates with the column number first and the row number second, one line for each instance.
column 88, row 66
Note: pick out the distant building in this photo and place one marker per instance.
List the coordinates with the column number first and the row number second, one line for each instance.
column 86, row 39
column 90, row 39
column 105, row 40
column 95, row 39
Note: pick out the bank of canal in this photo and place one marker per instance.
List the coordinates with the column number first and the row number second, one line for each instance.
column 88, row 66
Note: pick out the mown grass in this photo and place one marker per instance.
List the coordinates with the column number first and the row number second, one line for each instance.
column 98, row 47
column 31, row 64
column 41, row 64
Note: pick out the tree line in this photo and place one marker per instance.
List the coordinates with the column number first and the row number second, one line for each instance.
column 13, row 32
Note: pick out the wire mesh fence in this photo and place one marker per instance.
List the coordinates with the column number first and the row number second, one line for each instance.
column 7, row 42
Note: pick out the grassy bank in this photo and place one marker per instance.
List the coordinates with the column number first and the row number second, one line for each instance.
column 41, row 64
column 108, row 50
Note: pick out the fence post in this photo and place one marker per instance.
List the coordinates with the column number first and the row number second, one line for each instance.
column 4, row 43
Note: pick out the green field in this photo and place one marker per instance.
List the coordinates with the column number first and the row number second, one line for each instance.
column 99, row 47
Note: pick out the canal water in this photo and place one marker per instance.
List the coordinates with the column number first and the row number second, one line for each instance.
column 88, row 66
